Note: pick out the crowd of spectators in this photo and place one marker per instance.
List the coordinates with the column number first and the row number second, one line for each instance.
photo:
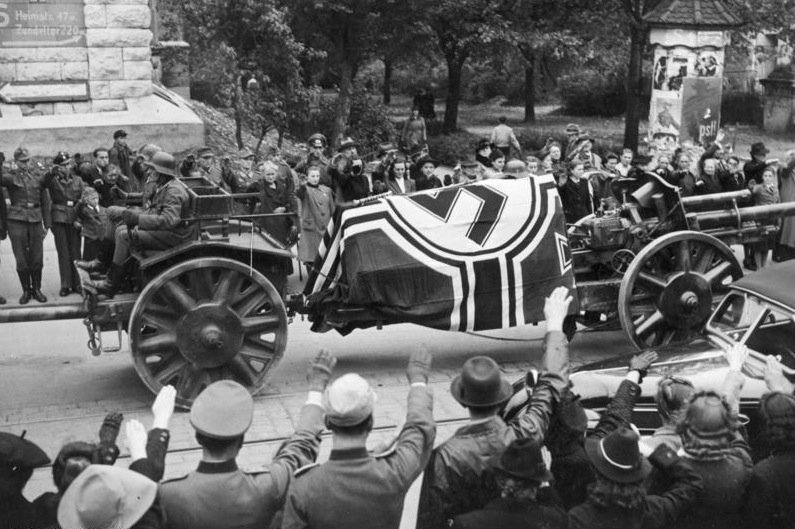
column 539, row 466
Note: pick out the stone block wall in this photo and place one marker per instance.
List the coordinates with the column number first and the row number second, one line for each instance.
column 116, row 61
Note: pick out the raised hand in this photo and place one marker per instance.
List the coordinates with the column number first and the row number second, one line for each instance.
column 320, row 370
column 419, row 365
column 163, row 407
column 642, row 361
column 136, row 439
column 556, row 308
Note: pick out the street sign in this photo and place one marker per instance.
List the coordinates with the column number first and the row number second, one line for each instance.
column 42, row 24
column 37, row 91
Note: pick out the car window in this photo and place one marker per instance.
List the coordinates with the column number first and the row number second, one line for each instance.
column 775, row 335
column 735, row 315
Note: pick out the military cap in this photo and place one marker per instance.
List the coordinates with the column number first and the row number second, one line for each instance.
column 384, row 148
column 204, row 151
column 119, row 134
column 346, row 143
column 349, row 400
column 16, row 451
column 224, row 410
column 245, row 153
column 572, row 128
column 317, row 140
column 21, row 154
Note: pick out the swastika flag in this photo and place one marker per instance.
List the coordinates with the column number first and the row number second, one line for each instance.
column 463, row 258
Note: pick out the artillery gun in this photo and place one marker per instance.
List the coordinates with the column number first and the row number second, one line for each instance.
column 659, row 262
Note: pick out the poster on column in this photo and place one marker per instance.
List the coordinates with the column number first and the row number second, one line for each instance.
column 664, row 123
column 671, row 66
column 701, row 97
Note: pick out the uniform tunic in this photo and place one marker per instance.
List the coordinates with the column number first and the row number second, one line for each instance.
column 317, row 206
column 65, row 192
column 355, row 489
column 219, row 495
column 29, row 210
column 161, row 225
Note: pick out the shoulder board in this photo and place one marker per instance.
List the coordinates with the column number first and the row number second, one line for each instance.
column 172, row 480
column 261, row 469
column 304, row 469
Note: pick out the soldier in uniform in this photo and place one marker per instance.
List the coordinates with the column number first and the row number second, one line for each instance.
column 18, row 458
column 65, row 193
column 218, row 494
column 354, row 488
column 28, row 223
column 157, row 227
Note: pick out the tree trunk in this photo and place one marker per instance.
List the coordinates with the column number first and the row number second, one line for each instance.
column 238, row 105
column 454, row 67
column 387, row 81
column 530, row 91
column 343, row 110
column 634, row 80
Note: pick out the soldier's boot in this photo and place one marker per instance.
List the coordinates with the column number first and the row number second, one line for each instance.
column 35, row 290
column 110, row 285
column 95, row 265
column 24, row 280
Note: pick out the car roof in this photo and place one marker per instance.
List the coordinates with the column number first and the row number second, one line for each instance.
column 775, row 283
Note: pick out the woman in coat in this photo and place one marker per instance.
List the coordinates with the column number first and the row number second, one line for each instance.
column 398, row 181
column 273, row 198
column 317, row 207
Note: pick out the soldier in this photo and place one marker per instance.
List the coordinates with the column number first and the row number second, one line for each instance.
column 354, row 488
column 221, row 415
column 316, row 157
column 157, row 227
column 28, row 223
column 65, row 193
column 18, row 458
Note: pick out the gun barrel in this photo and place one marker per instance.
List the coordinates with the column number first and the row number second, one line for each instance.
column 735, row 217
column 715, row 199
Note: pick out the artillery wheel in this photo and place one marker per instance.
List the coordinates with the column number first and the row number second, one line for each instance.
column 204, row 320
column 672, row 285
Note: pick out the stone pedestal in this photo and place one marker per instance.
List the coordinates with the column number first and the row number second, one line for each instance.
column 779, row 110
column 89, row 61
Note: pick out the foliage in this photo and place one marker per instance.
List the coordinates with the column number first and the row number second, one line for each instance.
column 449, row 149
column 212, row 75
column 588, row 92
column 741, row 107
column 369, row 122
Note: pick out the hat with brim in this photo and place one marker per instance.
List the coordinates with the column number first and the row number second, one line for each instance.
column 106, row 497
column 224, row 410
column 522, row 460
column 119, row 134
column 572, row 128
column 17, row 451
column 617, row 456
column 346, row 143
column 427, row 159
column 384, row 148
column 759, row 148
column 21, row 155
column 481, row 384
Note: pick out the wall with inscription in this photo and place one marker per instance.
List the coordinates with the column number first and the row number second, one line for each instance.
column 74, row 56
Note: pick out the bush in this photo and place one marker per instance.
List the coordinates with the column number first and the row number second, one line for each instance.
column 452, row 148
column 590, row 92
column 741, row 107
column 369, row 123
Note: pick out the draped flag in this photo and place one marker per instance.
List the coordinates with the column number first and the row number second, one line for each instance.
column 462, row 258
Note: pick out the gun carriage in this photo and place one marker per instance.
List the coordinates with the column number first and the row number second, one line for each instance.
column 659, row 262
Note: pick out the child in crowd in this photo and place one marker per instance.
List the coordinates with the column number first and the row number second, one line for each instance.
column 611, row 161
column 95, row 225
column 533, row 165
column 317, row 206
column 764, row 194
column 576, row 193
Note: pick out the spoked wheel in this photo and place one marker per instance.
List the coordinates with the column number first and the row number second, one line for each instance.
column 204, row 320
column 672, row 285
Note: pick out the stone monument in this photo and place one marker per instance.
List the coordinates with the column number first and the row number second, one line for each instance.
column 688, row 38
column 73, row 71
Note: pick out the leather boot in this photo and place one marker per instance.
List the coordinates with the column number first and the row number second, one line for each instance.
column 95, row 265
column 35, row 291
column 110, row 285
column 24, row 280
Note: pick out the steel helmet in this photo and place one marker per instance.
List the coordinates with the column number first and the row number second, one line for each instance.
column 163, row 163
column 147, row 151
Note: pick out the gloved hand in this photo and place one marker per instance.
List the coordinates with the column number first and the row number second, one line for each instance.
column 108, row 451
column 419, row 365
column 320, row 370
column 163, row 407
column 130, row 217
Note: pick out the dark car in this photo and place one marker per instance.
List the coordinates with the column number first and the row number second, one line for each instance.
column 758, row 311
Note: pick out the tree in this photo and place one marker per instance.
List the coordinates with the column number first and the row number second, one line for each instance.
column 254, row 37
column 461, row 26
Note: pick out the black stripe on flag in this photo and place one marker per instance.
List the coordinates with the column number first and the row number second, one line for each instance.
column 488, row 294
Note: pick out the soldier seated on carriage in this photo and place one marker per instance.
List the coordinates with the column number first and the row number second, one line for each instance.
column 158, row 226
